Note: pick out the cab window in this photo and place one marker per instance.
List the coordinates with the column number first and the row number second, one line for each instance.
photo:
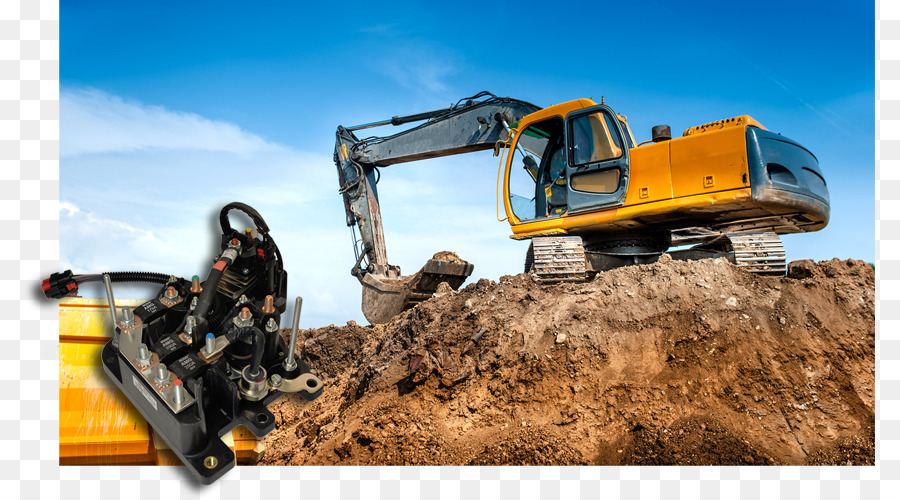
column 594, row 139
column 526, row 159
column 537, row 178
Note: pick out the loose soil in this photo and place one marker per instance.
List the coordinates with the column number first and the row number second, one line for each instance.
column 671, row 363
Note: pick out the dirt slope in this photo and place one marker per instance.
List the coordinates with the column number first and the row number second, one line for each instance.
column 669, row 363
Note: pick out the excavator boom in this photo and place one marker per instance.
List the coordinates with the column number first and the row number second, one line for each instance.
column 472, row 124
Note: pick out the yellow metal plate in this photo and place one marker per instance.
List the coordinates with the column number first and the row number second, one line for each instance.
column 712, row 161
column 97, row 423
column 651, row 176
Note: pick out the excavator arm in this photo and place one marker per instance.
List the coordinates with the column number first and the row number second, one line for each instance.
column 472, row 124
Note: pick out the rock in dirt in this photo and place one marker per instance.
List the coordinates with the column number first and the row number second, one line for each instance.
column 800, row 269
column 669, row 374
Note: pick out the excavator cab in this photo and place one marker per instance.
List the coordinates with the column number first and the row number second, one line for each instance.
column 572, row 162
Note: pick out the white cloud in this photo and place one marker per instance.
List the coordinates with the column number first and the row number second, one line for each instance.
column 419, row 67
column 96, row 122
column 103, row 239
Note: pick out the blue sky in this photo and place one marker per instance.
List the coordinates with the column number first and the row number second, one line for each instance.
column 171, row 110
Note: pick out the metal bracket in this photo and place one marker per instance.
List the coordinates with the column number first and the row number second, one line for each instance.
column 306, row 382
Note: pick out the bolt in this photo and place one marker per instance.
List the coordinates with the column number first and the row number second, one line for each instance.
column 189, row 325
column 243, row 299
column 210, row 343
column 112, row 302
column 244, row 318
column 162, row 374
column 289, row 364
column 195, row 284
column 194, row 303
column 143, row 355
column 276, row 380
column 178, row 395
column 271, row 326
column 171, row 293
column 127, row 317
column 248, row 232
column 235, row 242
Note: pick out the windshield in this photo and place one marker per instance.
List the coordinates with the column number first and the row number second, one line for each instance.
column 534, row 140
column 538, row 162
column 524, row 171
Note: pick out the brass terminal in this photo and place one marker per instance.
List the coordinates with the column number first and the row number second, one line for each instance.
column 269, row 305
column 245, row 313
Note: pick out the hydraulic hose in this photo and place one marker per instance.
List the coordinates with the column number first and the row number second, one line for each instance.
column 212, row 282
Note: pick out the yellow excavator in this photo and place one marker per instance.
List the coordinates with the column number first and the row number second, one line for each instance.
column 573, row 180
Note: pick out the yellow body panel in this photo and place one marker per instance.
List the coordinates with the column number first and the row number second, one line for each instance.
column 708, row 162
column 97, row 423
column 652, row 179
column 707, row 166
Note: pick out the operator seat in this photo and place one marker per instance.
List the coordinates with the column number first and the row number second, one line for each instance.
column 555, row 183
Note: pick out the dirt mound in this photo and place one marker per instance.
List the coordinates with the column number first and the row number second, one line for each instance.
column 447, row 256
column 332, row 349
column 669, row 363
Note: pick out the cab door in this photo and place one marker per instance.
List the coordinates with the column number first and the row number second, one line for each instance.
column 598, row 170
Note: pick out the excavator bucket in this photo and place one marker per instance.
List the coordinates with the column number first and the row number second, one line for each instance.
column 385, row 297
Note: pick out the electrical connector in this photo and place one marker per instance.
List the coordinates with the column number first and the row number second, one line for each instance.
column 59, row 285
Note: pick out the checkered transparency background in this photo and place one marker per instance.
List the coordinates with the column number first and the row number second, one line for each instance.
column 29, row 430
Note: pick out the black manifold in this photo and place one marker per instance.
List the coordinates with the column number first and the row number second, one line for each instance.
column 204, row 357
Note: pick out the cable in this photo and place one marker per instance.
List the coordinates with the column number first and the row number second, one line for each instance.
column 125, row 277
